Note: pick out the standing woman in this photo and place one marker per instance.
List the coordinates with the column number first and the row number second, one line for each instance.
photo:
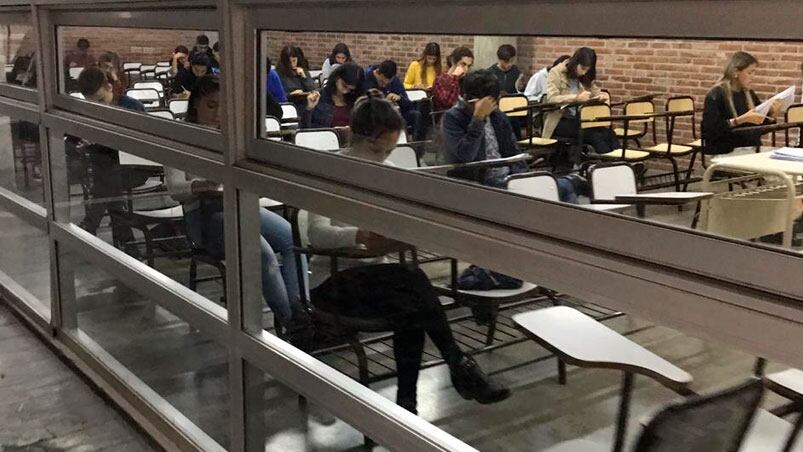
column 421, row 73
column 574, row 80
column 340, row 55
column 337, row 98
column 731, row 104
column 295, row 78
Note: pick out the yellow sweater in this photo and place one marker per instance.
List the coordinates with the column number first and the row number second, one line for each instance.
column 413, row 76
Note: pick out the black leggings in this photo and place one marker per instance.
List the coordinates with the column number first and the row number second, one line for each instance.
column 401, row 295
column 602, row 139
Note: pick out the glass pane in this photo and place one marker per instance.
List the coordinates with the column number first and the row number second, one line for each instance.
column 180, row 363
column 17, row 55
column 152, row 70
column 21, row 159
column 25, row 256
column 619, row 139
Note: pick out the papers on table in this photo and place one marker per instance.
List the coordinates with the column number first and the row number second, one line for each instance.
column 787, row 98
column 793, row 154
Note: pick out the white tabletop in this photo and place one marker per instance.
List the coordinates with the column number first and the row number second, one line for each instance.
column 761, row 161
column 127, row 159
column 790, row 379
column 584, row 342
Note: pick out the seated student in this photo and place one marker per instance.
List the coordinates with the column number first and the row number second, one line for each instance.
column 574, row 81
column 295, row 78
column 340, row 55
column 180, row 59
column 202, row 46
column 383, row 77
column 421, row 73
column 203, row 213
column 475, row 130
column 185, row 79
column 446, row 89
column 509, row 75
column 275, row 87
column 109, row 62
column 399, row 294
column 102, row 163
column 80, row 56
column 337, row 98
column 536, row 86
column 731, row 104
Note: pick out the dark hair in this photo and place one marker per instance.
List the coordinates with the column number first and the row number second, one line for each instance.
column 506, row 52
column 352, row 75
column 373, row 116
column 83, row 43
column 339, row 48
column 388, row 68
column 458, row 54
column 302, row 60
column 182, row 49
column 202, row 40
column 559, row 60
column 200, row 59
column 283, row 67
column 268, row 63
column 583, row 56
column 92, row 79
column 110, row 57
column 479, row 84
column 431, row 49
column 203, row 87
column 216, row 47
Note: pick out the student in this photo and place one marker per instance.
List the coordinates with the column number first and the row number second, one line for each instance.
column 214, row 66
column 475, row 130
column 109, row 62
column 179, row 60
column 536, row 86
column 399, row 294
column 102, row 163
column 383, row 77
column 509, row 75
column 185, row 79
column 275, row 87
column 337, row 98
column 446, row 89
column 296, row 80
column 421, row 73
column 340, row 55
column 731, row 104
column 80, row 56
column 574, row 81
column 203, row 214
column 202, row 47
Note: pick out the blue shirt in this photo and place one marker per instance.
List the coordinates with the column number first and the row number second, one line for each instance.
column 275, row 86
column 395, row 86
column 130, row 103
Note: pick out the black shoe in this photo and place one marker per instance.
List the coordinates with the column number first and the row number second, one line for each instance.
column 299, row 329
column 407, row 404
column 472, row 383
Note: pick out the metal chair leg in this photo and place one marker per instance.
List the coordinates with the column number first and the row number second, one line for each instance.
column 561, row 371
column 193, row 285
column 624, row 412
column 489, row 338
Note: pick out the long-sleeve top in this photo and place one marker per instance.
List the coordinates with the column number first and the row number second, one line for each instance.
column 536, row 86
column 395, row 86
column 412, row 78
column 445, row 91
column 718, row 135
column 296, row 82
column 560, row 89
column 323, row 114
column 508, row 81
column 275, row 87
column 179, row 186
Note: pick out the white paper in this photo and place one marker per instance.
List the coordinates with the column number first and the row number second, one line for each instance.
column 793, row 153
column 787, row 98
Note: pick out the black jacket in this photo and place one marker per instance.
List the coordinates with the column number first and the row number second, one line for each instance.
column 507, row 80
column 718, row 135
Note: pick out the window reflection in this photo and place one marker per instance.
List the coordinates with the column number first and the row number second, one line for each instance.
column 18, row 55
column 21, row 159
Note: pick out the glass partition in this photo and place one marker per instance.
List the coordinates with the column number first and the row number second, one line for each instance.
column 18, row 54
column 21, row 167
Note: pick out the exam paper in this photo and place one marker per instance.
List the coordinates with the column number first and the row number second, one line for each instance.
column 787, row 98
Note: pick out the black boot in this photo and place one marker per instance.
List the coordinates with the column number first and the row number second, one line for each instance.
column 472, row 383
column 407, row 403
column 299, row 329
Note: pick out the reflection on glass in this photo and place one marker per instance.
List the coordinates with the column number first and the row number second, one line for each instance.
column 21, row 159
column 25, row 256
column 17, row 55
column 177, row 361
column 153, row 72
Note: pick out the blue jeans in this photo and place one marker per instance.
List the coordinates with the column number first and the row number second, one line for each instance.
column 280, row 285
column 566, row 191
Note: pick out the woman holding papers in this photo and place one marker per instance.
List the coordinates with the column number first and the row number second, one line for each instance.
column 732, row 103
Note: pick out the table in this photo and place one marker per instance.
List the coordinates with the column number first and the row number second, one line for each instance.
column 759, row 162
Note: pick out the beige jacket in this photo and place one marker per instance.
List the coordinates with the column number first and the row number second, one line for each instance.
column 557, row 90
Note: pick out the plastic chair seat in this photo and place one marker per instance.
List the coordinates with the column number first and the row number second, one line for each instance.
column 768, row 433
column 695, row 144
column 663, row 147
column 537, row 141
column 176, row 212
column 620, row 132
column 630, row 154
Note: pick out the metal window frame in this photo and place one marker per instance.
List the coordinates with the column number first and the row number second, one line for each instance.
column 16, row 15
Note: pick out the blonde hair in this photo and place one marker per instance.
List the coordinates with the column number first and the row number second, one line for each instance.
column 739, row 61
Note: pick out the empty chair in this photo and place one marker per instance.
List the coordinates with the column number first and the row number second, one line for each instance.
column 162, row 71
column 149, row 97
column 151, row 85
column 178, row 107
column 404, row 157
column 416, row 95
column 634, row 132
column 685, row 104
column 163, row 64
column 610, row 180
column 131, row 66
column 166, row 114
column 318, row 139
column 273, row 125
column 147, row 70
column 289, row 115
column 508, row 103
column 75, row 72
column 541, row 185
column 794, row 114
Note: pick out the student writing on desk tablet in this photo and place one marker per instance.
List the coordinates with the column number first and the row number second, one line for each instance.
column 295, row 76
column 731, row 104
column 337, row 98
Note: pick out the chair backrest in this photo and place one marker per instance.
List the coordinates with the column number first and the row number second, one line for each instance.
column 507, row 103
column 319, row 139
column 131, row 66
column 162, row 114
column 711, row 423
column 289, row 111
column 643, row 107
column 417, row 94
column 590, row 112
column 75, row 72
column 404, row 157
column 178, row 106
column 680, row 103
column 272, row 124
column 163, row 64
column 402, row 138
column 609, row 180
column 794, row 113
column 148, row 96
column 77, row 95
column 539, row 185
column 161, row 70
column 151, row 85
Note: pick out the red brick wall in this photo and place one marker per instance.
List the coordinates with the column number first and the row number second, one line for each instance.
column 138, row 45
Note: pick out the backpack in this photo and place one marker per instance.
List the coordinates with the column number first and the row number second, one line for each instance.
column 477, row 278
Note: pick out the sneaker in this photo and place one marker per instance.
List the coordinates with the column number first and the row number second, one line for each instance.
column 472, row 383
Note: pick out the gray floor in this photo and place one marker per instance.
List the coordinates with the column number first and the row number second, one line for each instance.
column 46, row 407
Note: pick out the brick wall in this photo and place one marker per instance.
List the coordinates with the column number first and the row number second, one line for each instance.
column 139, row 45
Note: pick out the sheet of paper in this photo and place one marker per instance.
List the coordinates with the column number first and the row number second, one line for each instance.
column 787, row 98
